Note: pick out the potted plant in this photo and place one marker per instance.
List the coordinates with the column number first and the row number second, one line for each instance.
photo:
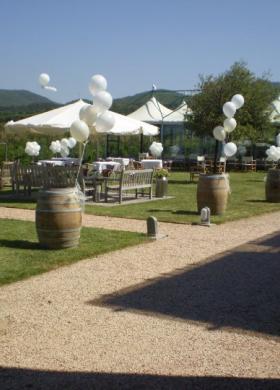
column 161, row 182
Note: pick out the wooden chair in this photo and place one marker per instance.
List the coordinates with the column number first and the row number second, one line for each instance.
column 167, row 164
column 221, row 165
column 137, row 165
column 197, row 168
column 249, row 164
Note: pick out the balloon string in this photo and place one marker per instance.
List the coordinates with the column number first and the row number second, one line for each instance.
column 226, row 177
column 78, row 188
column 81, row 161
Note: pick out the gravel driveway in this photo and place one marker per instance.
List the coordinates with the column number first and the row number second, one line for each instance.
column 197, row 309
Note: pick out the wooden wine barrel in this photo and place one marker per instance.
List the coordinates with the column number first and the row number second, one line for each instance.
column 212, row 192
column 58, row 218
column 272, row 185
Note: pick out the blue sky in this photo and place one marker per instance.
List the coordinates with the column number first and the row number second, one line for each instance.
column 134, row 44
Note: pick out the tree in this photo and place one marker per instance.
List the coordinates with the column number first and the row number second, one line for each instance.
column 252, row 119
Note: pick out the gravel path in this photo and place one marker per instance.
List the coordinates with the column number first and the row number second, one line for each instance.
column 200, row 303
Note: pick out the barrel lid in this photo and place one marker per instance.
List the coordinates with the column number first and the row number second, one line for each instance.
column 58, row 190
column 212, row 177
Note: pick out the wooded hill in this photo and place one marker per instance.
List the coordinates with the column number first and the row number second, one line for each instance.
column 16, row 104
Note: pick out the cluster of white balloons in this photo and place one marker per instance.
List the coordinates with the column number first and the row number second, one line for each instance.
column 32, row 148
column 220, row 132
column 273, row 153
column 63, row 146
column 44, row 80
column 156, row 149
column 94, row 117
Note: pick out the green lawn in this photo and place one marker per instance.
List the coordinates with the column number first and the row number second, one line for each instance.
column 247, row 199
column 21, row 256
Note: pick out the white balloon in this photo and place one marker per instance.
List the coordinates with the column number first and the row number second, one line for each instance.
column 229, row 124
column 71, row 142
column 49, row 88
column 273, row 153
column 230, row 149
column 97, row 83
column 229, row 109
column 44, row 79
column 156, row 149
column 89, row 115
column 64, row 143
column 55, row 146
column 242, row 150
column 237, row 100
column 64, row 152
column 102, row 101
column 105, row 122
column 32, row 148
column 219, row 133
column 82, row 112
column 79, row 130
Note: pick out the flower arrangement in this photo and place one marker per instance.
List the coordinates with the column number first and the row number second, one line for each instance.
column 160, row 173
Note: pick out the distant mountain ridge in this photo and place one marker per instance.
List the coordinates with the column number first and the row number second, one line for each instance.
column 21, row 97
column 128, row 104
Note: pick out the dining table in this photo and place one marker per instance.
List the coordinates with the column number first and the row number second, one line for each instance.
column 100, row 166
column 151, row 164
column 122, row 160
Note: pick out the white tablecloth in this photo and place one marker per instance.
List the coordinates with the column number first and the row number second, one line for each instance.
column 67, row 160
column 51, row 162
column 100, row 165
column 123, row 161
column 151, row 164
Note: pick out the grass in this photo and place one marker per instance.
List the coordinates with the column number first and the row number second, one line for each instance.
column 22, row 257
column 247, row 199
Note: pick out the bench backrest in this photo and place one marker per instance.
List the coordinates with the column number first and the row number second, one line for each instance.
column 46, row 176
column 136, row 177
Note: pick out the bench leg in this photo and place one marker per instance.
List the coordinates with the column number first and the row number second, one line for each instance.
column 120, row 196
column 191, row 176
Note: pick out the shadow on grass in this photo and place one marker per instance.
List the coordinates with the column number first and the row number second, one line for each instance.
column 255, row 180
column 257, row 201
column 20, row 244
column 183, row 182
column 185, row 212
column 23, row 378
column 238, row 290
column 179, row 212
column 10, row 199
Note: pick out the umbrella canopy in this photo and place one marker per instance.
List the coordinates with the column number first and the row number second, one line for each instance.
column 275, row 114
column 58, row 121
column 152, row 111
column 155, row 112
column 178, row 115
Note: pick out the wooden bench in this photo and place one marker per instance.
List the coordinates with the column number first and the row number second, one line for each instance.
column 126, row 180
column 39, row 176
column 6, row 174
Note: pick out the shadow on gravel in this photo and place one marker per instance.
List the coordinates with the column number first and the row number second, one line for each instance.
column 238, row 289
column 21, row 379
